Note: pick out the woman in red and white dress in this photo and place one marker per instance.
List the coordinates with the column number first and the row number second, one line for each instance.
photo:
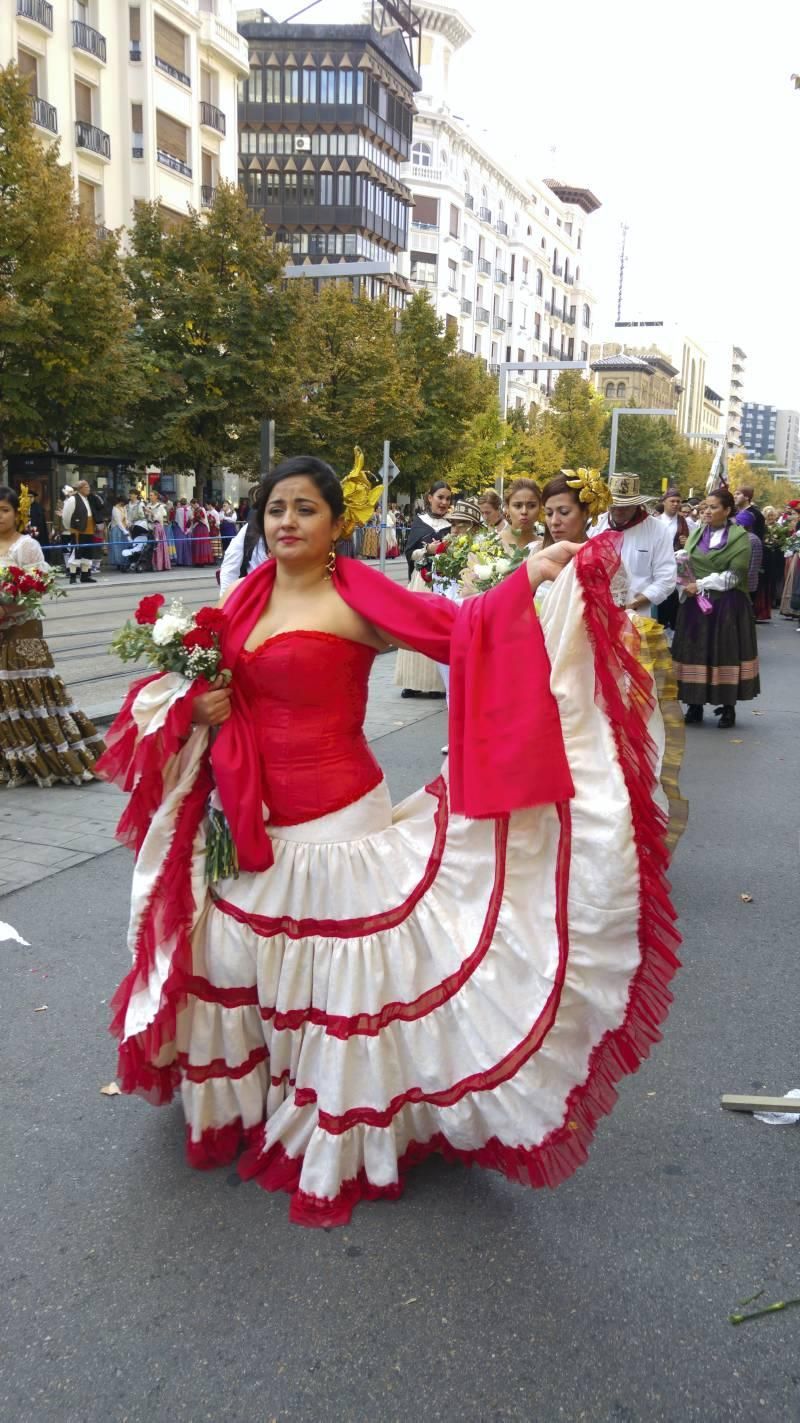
column 469, row 974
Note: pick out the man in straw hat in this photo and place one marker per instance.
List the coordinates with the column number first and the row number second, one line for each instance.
column 647, row 554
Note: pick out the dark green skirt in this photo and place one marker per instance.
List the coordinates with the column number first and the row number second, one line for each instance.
column 716, row 653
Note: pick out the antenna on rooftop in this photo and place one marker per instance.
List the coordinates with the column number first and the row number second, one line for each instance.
column 622, row 260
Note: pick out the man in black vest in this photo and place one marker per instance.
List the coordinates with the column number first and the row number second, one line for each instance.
column 80, row 520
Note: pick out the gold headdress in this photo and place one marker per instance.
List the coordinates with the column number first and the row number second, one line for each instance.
column 592, row 490
column 361, row 496
column 24, row 508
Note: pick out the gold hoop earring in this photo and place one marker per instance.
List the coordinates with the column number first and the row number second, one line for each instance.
column 330, row 566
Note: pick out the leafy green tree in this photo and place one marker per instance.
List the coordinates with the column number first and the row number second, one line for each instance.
column 453, row 388
column 535, row 445
column 357, row 390
column 577, row 417
column 486, row 454
column 650, row 447
column 214, row 322
column 68, row 369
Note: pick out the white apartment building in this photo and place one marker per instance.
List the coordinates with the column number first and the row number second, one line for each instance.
column 501, row 256
column 142, row 97
column 734, row 413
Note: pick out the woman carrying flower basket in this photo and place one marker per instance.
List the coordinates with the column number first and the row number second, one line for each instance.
column 44, row 737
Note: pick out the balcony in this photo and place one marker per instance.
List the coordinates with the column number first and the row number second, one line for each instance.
column 89, row 40
column 44, row 114
column 212, row 117
column 227, row 42
column 469, row 202
column 173, row 73
column 39, row 12
column 135, row 52
column 500, row 276
column 569, row 317
column 498, row 324
column 482, row 314
column 137, row 146
column 485, row 214
column 207, row 195
column 92, row 139
column 428, row 174
column 502, row 227
column 466, row 306
column 176, row 164
column 467, row 255
column 484, row 266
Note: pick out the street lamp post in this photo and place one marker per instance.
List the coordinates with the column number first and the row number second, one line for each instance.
column 629, row 410
column 504, row 367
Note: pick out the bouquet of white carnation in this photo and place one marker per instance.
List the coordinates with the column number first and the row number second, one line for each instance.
column 173, row 641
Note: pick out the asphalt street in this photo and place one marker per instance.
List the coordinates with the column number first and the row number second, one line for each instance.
column 136, row 1290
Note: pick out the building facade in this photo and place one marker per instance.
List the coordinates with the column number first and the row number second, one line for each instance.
column 501, row 256
column 772, row 436
column 142, row 98
column 713, row 418
column 325, row 123
column 733, row 418
column 647, row 381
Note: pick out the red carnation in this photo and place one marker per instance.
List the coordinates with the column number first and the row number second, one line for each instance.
column 198, row 637
column 425, row 575
column 440, row 548
column 211, row 618
column 147, row 611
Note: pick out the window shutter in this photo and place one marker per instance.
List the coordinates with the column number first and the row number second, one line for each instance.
column 426, row 210
column 171, row 136
column 170, row 44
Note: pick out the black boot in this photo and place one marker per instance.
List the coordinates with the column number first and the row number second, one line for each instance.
column 728, row 718
column 73, row 577
column 87, row 578
column 693, row 715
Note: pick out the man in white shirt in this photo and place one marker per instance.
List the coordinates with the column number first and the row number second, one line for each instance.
column 646, row 554
column 248, row 542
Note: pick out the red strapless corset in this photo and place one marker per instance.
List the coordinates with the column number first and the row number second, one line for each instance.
column 306, row 693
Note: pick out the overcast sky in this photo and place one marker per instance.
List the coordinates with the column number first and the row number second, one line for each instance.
column 682, row 119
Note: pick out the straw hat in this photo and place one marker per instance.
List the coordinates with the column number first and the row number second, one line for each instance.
column 465, row 511
column 625, row 491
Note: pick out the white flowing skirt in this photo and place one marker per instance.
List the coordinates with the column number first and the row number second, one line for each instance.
column 407, row 981
column 412, row 671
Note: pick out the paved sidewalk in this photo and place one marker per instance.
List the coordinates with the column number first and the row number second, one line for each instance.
column 43, row 832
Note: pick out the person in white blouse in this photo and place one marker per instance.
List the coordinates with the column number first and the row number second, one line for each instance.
column 646, row 554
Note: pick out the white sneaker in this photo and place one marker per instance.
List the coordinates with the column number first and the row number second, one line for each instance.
column 446, row 749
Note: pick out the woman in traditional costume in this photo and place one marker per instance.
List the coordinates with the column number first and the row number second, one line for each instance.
column 157, row 512
column 202, row 553
column 715, row 650
column 44, row 737
column 118, row 536
column 417, row 675
column 453, row 976
column 180, row 536
column 227, row 525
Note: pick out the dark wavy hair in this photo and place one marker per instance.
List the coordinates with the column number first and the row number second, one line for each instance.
column 558, row 485
column 434, row 489
column 9, row 496
column 725, row 498
column 320, row 474
column 519, row 485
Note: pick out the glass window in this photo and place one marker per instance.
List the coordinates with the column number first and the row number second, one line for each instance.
column 291, row 86
column 454, row 220
column 308, row 188
column 290, row 187
column 327, row 86
column 421, row 155
column 359, row 87
column 345, row 86
column 309, row 86
column 344, row 186
column 326, row 189
column 272, row 86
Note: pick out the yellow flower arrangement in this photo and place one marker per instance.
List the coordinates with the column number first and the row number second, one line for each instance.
column 592, row 490
column 24, row 508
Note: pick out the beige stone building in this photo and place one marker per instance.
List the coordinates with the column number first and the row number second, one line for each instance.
column 644, row 379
